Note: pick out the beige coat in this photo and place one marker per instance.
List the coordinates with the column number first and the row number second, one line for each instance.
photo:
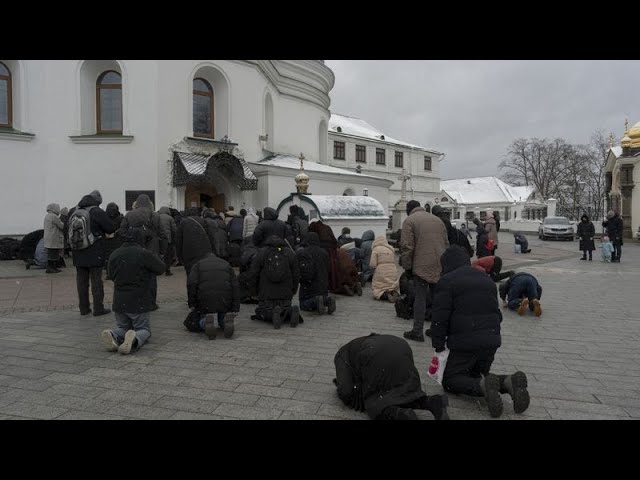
column 53, row 228
column 492, row 231
column 385, row 277
column 422, row 242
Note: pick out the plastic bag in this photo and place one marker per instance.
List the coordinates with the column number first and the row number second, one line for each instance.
column 438, row 364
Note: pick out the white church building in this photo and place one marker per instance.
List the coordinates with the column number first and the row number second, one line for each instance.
column 187, row 132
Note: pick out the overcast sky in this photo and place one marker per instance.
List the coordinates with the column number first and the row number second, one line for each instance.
column 472, row 110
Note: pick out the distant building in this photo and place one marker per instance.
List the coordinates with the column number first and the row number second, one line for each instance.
column 622, row 177
column 358, row 146
column 467, row 198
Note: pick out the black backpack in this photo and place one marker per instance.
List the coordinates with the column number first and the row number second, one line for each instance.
column 307, row 266
column 276, row 265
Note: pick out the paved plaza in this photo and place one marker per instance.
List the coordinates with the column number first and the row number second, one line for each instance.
column 581, row 356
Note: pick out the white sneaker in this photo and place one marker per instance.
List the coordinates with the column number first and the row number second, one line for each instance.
column 127, row 345
column 108, row 341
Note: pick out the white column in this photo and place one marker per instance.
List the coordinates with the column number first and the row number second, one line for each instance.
column 551, row 207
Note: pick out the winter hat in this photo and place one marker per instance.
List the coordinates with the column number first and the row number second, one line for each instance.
column 437, row 210
column 64, row 211
column 411, row 204
column 610, row 214
column 605, row 238
column 96, row 196
column 346, row 231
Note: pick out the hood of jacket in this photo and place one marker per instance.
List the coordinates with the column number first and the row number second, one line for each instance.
column 584, row 218
column 453, row 258
column 88, row 201
column 312, row 238
column 113, row 210
column 275, row 241
column 143, row 201
column 270, row 214
column 368, row 236
column 381, row 241
column 164, row 210
column 53, row 207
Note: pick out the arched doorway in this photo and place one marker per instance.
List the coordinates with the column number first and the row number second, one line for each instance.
column 202, row 195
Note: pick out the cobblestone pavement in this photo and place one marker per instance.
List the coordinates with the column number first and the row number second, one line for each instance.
column 581, row 356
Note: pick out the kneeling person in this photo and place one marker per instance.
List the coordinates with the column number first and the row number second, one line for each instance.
column 313, row 262
column 275, row 270
column 492, row 266
column 377, row 374
column 213, row 288
column 522, row 291
column 466, row 319
column 132, row 269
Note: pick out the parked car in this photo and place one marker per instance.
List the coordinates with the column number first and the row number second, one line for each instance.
column 556, row 227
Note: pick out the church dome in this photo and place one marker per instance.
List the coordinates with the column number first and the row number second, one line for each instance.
column 634, row 135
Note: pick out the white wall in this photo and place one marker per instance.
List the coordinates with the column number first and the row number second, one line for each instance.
column 157, row 109
column 635, row 201
column 424, row 185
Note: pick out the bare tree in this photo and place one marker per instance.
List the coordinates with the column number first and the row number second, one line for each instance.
column 572, row 174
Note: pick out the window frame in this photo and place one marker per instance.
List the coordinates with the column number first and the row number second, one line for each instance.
column 429, row 159
column 99, row 88
column 361, row 149
column 8, row 78
column 381, row 152
column 211, row 133
column 399, row 155
column 339, row 146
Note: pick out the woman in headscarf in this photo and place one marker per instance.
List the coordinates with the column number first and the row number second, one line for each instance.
column 329, row 242
column 385, row 283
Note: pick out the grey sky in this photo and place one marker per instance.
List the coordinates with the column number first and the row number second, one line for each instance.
column 472, row 110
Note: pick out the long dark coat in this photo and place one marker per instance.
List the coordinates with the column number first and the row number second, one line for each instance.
column 377, row 371
column 586, row 232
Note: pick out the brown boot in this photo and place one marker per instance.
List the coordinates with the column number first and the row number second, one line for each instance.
column 524, row 305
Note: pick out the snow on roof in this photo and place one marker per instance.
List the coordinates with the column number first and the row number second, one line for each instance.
column 359, row 128
column 289, row 161
column 617, row 151
column 335, row 207
column 484, row 190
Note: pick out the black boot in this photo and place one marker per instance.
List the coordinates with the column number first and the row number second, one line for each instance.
column 516, row 386
column 398, row 413
column 437, row 405
column 51, row 267
column 490, row 386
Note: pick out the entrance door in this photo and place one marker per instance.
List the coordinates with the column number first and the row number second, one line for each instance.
column 203, row 196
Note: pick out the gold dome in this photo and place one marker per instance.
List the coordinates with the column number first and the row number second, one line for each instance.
column 634, row 135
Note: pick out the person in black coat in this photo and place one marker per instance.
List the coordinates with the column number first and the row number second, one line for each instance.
column 90, row 261
column 521, row 240
column 313, row 262
column 481, row 240
column 275, row 272
column 212, row 288
column 377, row 374
column 466, row 319
column 132, row 268
column 28, row 245
column 217, row 230
column 615, row 227
column 455, row 236
column 114, row 241
column 194, row 240
column 271, row 226
column 586, row 232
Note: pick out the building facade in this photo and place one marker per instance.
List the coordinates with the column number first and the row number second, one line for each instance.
column 622, row 176
column 188, row 132
column 357, row 146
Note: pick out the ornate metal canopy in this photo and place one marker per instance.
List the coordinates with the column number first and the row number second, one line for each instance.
column 194, row 168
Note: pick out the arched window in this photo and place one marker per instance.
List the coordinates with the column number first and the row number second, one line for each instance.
column 109, row 102
column 202, row 108
column 6, row 114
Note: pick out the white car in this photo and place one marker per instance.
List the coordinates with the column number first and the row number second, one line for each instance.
column 556, row 227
